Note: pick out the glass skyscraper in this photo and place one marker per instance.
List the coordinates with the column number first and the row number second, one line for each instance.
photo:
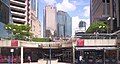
column 64, row 24
column 5, row 18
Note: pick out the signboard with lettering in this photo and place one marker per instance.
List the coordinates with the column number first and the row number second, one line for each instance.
column 53, row 45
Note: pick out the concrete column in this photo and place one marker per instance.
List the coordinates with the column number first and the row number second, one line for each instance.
column 106, row 11
column 111, row 15
column 118, row 55
column 117, row 12
column 104, row 55
column 50, row 53
column 73, row 52
column 21, row 55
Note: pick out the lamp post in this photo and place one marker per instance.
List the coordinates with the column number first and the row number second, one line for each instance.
column 50, row 53
column 100, row 27
column 104, row 55
column 8, row 30
column 12, row 50
column 108, row 19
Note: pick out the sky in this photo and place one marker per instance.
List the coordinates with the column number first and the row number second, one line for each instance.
column 77, row 9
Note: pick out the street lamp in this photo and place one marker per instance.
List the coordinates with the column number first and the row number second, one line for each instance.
column 101, row 27
column 12, row 50
column 8, row 31
column 109, row 18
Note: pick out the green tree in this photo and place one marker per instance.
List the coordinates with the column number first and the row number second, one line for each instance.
column 19, row 31
column 41, row 40
column 98, row 26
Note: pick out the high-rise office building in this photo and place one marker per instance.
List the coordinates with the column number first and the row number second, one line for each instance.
column 64, row 24
column 99, row 9
column 25, row 12
column 107, row 10
column 5, row 18
column 115, row 15
column 33, row 18
column 49, row 27
column 20, row 12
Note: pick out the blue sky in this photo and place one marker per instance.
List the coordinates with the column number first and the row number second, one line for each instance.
column 77, row 9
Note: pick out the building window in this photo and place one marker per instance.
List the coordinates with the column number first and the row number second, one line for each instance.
column 0, row 16
column 108, row 1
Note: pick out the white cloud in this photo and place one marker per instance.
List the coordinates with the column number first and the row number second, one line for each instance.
column 86, row 11
column 75, row 23
column 66, row 6
column 50, row 2
column 80, row 2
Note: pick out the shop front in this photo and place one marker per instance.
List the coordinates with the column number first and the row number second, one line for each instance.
column 8, row 56
column 97, row 52
column 9, row 51
column 19, row 52
column 97, row 56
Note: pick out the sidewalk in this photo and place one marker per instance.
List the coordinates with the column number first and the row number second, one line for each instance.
column 37, row 63
column 42, row 61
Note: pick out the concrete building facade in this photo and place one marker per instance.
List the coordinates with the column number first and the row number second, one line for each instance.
column 19, row 11
column 50, row 26
column 99, row 9
column 26, row 12
column 107, row 10
column 33, row 18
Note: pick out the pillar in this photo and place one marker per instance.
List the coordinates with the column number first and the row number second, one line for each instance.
column 21, row 55
column 73, row 52
column 118, row 55
column 104, row 55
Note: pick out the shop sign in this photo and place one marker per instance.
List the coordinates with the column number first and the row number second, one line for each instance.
column 14, row 42
column 80, row 42
column 49, row 45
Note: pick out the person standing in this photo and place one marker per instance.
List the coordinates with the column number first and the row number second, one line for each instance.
column 29, row 59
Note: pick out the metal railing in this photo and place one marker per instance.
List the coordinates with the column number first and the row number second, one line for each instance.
column 98, row 36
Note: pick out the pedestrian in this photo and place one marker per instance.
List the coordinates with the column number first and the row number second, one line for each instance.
column 9, row 60
column 29, row 59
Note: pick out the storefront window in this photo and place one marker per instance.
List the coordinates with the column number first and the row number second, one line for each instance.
column 111, row 56
column 6, row 56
